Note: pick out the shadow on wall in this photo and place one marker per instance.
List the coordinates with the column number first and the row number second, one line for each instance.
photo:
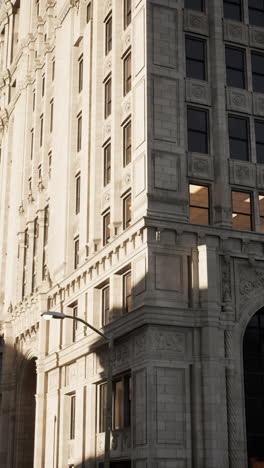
column 18, row 379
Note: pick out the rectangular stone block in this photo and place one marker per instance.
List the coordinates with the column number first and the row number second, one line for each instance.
column 164, row 36
column 165, row 99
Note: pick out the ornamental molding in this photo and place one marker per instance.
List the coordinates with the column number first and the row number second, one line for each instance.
column 251, row 281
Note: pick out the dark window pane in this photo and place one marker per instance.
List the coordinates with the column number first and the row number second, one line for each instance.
column 258, row 83
column 197, row 120
column 238, row 127
column 235, row 74
column 195, row 70
column 256, row 12
column 197, row 142
column 257, row 61
column 238, row 149
column 232, row 10
column 260, row 153
column 195, row 59
column 195, row 4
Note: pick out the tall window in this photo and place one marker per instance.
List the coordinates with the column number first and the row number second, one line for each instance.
column 37, row 7
column 33, row 100
column 49, row 163
column 51, row 114
column 72, row 416
column 53, row 69
column 77, row 193
column 235, row 67
column 197, row 121
column 31, row 143
column 89, row 12
column 127, row 13
column 199, row 204
column 195, row 58
column 261, row 211
column 43, row 85
column 105, row 305
column 259, row 133
column 80, row 73
column 121, row 415
column 107, row 164
column 79, row 132
column 45, row 242
column 127, row 211
column 35, row 254
column 108, row 97
column 257, row 61
column 122, row 402
column 233, row 10
column 256, row 12
column 25, row 259
column 41, row 130
column 76, row 252
column 194, row 4
column 127, row 293
column 102, row 407
column 238, row 138
column 106, row 228
column 74, row 322
column 127, row 74
column 108, row 35
column 241, row 211
column 127, row 144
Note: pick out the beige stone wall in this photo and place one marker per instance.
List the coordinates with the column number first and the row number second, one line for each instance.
column 194, row 288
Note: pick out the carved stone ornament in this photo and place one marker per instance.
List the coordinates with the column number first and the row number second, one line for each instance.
column 140, row 344
column 200, row 165
column 121, row 354
column 250, row 281
column 226, row 284
column 168, row 341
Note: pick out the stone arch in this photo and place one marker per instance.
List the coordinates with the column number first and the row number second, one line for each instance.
column 25, row 411
column 235, row 381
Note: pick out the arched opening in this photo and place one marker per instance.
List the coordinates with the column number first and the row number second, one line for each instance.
column 253, row 353
column 26, row 416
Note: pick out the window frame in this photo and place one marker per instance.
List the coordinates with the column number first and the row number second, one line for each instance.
column 127, row 294
column 108, row 33
column 250, row 194
column 247, row 120
column 254, row 73
column 89, row 12
column 76, row 252
column 193, row 130
column 126, row 406
column 105, row 304
column 41, row 118
column 127, row 13
column 43, row 81
column 259, row 121
column 127, row 143
column 31, row 143
column 127, row 78
column 108, row 97
column 208, row 209
column 126, row 219
column 80, row 73
column 51, row 114
column 79, row 131
column 72, row 428
column 197, row 60
column 233, row 68
column 106, row 228
column 107, row 164
column 77, row 193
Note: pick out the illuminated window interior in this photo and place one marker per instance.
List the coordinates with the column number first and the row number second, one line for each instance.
column 241, row 211
column 199, row 204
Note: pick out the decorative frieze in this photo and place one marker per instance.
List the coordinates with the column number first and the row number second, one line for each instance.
column 258, row 104
column 195, row 22
column 240, row 101
column 198, row 91
column 242, row 173
column 200, row 166
column 256, row 36
column 235, row 32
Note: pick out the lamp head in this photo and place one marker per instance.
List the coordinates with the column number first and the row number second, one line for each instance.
column 50, row 315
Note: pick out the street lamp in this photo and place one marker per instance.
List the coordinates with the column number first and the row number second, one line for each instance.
column 60, row 315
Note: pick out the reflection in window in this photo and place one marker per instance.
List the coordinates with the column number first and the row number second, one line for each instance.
column 241, row 211
column 233, row 10
column 195, row 58
column 256, row 12
column 257, row 61
column 235, row 67
column 127, row 293
column 197, row 122
column 259, row 133
column 102, row 407
column 238, row 138
column 199, row 204
column 76, row 252
column 127, row 74
column 195, row 4
column 127, row 212
column 127, row 144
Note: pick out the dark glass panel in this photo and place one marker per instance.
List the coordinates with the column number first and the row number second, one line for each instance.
column 197, row 142
column 232, row 10
column 195, row 4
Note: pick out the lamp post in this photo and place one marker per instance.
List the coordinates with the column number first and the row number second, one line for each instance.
column 60, row 315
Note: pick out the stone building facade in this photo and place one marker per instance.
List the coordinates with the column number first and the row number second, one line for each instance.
column 131, row 188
